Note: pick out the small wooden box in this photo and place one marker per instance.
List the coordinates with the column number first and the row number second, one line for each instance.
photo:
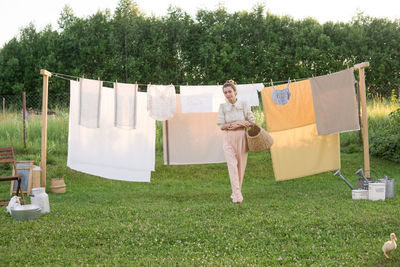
column 36, row 176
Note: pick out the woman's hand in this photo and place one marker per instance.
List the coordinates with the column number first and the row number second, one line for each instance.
column 244, row 123
column 237, row 124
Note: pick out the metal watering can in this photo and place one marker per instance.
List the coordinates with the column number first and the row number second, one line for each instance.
column 362, row 182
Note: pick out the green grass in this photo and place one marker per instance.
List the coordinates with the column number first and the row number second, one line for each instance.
column 185, row 216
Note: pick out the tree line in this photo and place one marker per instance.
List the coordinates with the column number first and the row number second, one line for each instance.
column 209, row 48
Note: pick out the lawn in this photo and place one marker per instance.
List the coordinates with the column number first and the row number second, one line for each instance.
column 185, row 216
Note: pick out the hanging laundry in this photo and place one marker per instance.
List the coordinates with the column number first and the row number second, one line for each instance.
column 298, row 151
column 196, row 103
column 299, row 110
column 335, row 103
column 89, row 102
column 109, row 151
column 125, row 105
column 161, row 101
column 201, row 98
column 192, row 138
column 249, row 93
column 281, row 97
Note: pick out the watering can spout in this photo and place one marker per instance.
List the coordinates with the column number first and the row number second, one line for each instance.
column 361, row 173
column 337, row 173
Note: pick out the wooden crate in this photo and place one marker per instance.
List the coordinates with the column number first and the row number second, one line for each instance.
column 35, row 176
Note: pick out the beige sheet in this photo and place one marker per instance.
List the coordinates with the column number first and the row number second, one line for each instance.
column 193, row 138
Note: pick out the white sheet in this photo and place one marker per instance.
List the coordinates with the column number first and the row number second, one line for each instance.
column 198, row 95
column 196, row 103
column 249, row 93
column 108, row 151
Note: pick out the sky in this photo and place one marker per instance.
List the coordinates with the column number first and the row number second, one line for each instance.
column 16, row 14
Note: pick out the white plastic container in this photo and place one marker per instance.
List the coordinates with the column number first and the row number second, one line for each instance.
column 376, row 191
column 359, row 194
column 40, row 198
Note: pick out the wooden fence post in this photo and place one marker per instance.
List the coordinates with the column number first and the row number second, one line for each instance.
column 43, row 161
column 363, row 99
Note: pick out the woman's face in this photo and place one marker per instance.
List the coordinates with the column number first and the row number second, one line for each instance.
column 229, row 93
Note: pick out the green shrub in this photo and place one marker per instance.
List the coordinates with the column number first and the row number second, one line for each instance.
column 385, row 141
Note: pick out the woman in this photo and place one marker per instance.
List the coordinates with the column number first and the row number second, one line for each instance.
column 233, row 117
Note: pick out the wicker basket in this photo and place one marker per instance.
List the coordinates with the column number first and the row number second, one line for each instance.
column 258, row 139
column 57, row 186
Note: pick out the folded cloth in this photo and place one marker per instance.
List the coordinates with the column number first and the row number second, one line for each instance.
column 125, row 105
column 109, row 151
column 89, row 102
column 335, row 103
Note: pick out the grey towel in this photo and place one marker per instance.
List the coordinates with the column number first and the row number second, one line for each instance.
column 335, row 103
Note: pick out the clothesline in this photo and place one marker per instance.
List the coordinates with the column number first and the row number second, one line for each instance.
column 69, row 77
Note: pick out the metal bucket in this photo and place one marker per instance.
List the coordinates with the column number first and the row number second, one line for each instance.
column 389, row 187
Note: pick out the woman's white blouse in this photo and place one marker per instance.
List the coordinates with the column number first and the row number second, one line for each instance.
column 240, row 111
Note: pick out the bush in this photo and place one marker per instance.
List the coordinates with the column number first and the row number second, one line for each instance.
column 385, row 142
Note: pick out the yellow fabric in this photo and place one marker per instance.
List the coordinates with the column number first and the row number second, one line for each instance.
column 299, row 111
column 301, row 152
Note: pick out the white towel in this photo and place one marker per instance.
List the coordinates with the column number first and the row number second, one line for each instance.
column 125, row 105
column 108, row 151
column 89, row 102
column 199, row 95
column 249, row 93
column 161, row 101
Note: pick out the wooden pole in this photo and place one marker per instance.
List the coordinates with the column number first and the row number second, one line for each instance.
column 23, row 116
column 363, row 99
column 43, row 162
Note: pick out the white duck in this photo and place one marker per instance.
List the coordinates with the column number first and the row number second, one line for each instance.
column 389, row 246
